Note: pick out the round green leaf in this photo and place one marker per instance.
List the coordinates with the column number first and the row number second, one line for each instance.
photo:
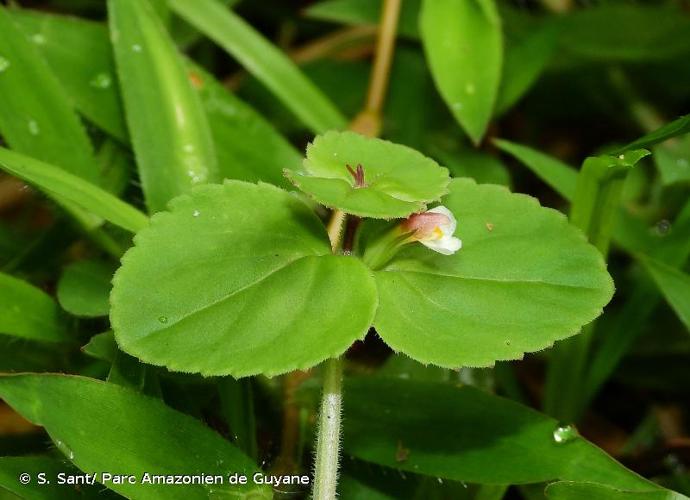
column 238, row 280
column 524, row 278
column 398, row 180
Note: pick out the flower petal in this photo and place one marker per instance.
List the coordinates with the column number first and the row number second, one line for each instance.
column 449, row 227
column 447, row 245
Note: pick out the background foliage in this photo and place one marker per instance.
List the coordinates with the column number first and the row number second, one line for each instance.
column 539, row 96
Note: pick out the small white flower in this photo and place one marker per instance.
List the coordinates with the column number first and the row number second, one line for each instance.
column 434, row 229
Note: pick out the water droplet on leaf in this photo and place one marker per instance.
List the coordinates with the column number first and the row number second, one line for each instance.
column 34, row 129
column 564, row 433
column 663, row 227
column 162, row 319
column 101, row 81
column 38, row 39
column 196, row 213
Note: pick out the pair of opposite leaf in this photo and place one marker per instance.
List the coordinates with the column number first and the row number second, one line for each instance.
column 239, row 279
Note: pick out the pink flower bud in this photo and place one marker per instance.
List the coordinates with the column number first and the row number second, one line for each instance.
column 434, row 229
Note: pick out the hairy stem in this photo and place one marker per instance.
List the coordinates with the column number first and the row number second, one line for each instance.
column 368, row 122
column 328, row 441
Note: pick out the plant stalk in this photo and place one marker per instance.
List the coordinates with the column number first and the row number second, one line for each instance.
column 335, row 228
column 367, row 122
column 328, row 441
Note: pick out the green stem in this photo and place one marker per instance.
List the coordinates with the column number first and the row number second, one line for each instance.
column 367, row 123
column 328, row 441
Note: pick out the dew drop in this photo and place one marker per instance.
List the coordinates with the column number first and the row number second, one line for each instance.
column 663, row 227
column 621, row 157
column 196, row 213
column 101, row 81
column 34, row 129
column 564, row 433
column 38, row 39
column 162, row 319
column 4, row 64
column 136, row 47
column 440, row 481
column 470, row 89
column 507, row 342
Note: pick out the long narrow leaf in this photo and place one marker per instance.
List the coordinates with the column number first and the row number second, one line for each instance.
column 109, row 428
column 560, row 176
column 247, row 146
column 81, row 57
column 676, row 127
column 170, row 133
column 36, row 117
column 65, row 187
column 263, row 60
column 463, row 45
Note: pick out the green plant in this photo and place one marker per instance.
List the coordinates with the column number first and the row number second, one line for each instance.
column 220, row 291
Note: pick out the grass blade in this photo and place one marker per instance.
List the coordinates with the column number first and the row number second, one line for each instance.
column 263, row 60
column 676, row 127
column 170, row 133
column 35, row 115
column 560, row 176
column 81, row 57
column 65, row 187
